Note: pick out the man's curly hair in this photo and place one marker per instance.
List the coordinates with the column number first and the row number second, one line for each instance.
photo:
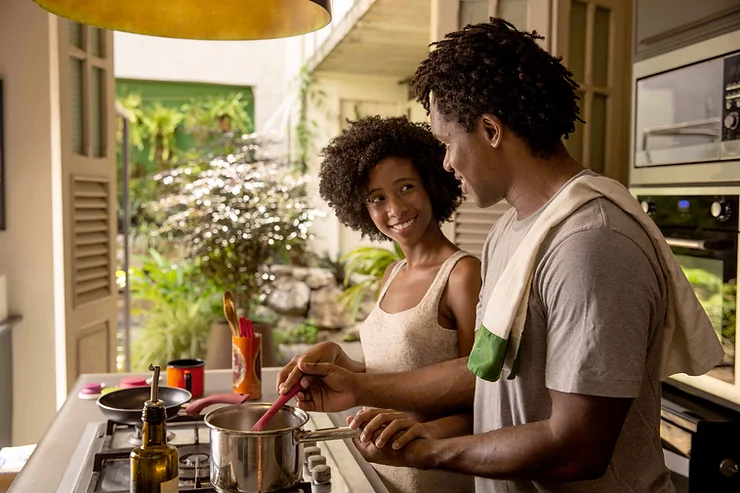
column 349, row 158
column 495, row 68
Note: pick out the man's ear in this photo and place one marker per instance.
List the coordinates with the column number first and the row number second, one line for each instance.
column 493, row 129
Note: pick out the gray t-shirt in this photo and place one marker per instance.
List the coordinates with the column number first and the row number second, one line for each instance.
column 596, row 306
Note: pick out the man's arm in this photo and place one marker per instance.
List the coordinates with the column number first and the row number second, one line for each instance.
column 576, row 443
column 444, row 387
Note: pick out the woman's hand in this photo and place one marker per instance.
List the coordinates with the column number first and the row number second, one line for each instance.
column 325, row 352
column 381, row 426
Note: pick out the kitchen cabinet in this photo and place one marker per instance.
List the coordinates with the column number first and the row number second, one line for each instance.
column 665, row 25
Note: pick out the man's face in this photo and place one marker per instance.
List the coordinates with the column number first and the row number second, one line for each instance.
column 471, row 156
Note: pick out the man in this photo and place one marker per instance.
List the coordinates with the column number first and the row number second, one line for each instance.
column 581, row 414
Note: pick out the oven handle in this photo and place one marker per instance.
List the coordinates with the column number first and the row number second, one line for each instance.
column 707, row 245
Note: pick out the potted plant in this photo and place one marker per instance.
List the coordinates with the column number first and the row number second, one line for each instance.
column 364, row 268
column 237, row 213
column 174, row 311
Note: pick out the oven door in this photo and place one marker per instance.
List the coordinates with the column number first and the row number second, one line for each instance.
column 709, row 260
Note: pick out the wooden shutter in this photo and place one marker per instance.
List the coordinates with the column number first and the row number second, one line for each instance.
column 472, row 225
column 91, row 244
column 88, row 176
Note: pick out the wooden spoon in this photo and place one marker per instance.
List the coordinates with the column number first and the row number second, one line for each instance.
column 230, row 312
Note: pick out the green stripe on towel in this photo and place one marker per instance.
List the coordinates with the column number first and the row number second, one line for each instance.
column 487, row 357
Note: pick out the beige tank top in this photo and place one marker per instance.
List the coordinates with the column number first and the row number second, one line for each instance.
column 410, row 339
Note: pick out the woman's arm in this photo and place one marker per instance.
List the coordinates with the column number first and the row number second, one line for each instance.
column 463, row 289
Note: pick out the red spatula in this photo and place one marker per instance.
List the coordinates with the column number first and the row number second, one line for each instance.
column 279, row 402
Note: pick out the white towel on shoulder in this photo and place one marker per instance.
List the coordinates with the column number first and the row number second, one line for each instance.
column 690, row 344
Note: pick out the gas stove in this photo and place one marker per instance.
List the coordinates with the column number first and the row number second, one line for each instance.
column 101, row 461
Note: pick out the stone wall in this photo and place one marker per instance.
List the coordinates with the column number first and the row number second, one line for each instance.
column 310, row 295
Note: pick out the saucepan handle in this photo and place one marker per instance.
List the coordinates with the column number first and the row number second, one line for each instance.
column 324, row 434
column 195, row 407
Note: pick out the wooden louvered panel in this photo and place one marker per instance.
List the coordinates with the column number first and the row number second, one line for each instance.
column 90, row 239
column 92, row 273
column 90, row 227
column 87, row 215
column 473, row 224
column 91, row 244
column 90, row 359
column 91, row 250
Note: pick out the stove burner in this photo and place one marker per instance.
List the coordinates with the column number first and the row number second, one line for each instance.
column 195, row 461
column 135, row 437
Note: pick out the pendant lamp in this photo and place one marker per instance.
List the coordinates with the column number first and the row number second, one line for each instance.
column 198, row 19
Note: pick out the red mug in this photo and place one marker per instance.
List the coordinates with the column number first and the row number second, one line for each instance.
column 188, row 374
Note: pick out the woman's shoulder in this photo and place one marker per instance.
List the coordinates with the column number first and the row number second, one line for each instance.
column 467, row 266
column 388, row 271
column 465, row 275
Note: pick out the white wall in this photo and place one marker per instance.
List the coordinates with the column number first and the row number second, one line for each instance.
column 26, row 247
column 260, row 64
column 326, row 111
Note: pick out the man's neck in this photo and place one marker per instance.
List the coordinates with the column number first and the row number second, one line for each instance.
column 535, row 181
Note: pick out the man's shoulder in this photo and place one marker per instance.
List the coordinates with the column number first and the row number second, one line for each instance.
column 604, row 215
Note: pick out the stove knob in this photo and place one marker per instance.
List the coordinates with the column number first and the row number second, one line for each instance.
column 316, row 460
column 647, row 206
column 321, row 474
column 720, row 210
column 309, row 452
column 732, row 120
column 728, row 468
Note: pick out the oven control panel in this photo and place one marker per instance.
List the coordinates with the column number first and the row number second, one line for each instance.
column 731, row 110
column 730, row 119
column 708, row 212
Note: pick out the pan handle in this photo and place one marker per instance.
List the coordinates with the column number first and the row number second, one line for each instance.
column 323, row 434
column 195, row 407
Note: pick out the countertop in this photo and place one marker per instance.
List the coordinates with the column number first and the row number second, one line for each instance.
column 44, row 470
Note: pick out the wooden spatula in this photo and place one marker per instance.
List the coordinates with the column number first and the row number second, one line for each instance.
column 230, row 313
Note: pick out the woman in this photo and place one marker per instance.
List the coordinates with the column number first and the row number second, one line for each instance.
column 384, row 178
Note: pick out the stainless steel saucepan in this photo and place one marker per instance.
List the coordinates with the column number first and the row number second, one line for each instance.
column 244, row 461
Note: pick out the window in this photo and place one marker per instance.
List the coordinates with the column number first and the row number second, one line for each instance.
column 87, row 76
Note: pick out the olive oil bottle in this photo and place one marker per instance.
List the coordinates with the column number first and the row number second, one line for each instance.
column 154, row 465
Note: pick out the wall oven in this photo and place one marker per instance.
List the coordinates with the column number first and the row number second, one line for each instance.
column 701, row 226
column 700, row 416
column 686, row 115
column 701, row 443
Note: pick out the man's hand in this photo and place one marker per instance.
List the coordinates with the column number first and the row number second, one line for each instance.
column 381, row 426
column 416, row 454
column 328, row 387
column 326, row 352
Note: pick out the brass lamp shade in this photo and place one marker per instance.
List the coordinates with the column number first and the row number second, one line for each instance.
column 198, row 19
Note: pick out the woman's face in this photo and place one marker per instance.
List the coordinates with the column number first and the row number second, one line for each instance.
column 397, row 201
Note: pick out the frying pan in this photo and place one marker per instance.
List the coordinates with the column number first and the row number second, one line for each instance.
column 125, row 405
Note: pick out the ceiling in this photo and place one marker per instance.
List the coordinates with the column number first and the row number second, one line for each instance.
column 377, row 37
